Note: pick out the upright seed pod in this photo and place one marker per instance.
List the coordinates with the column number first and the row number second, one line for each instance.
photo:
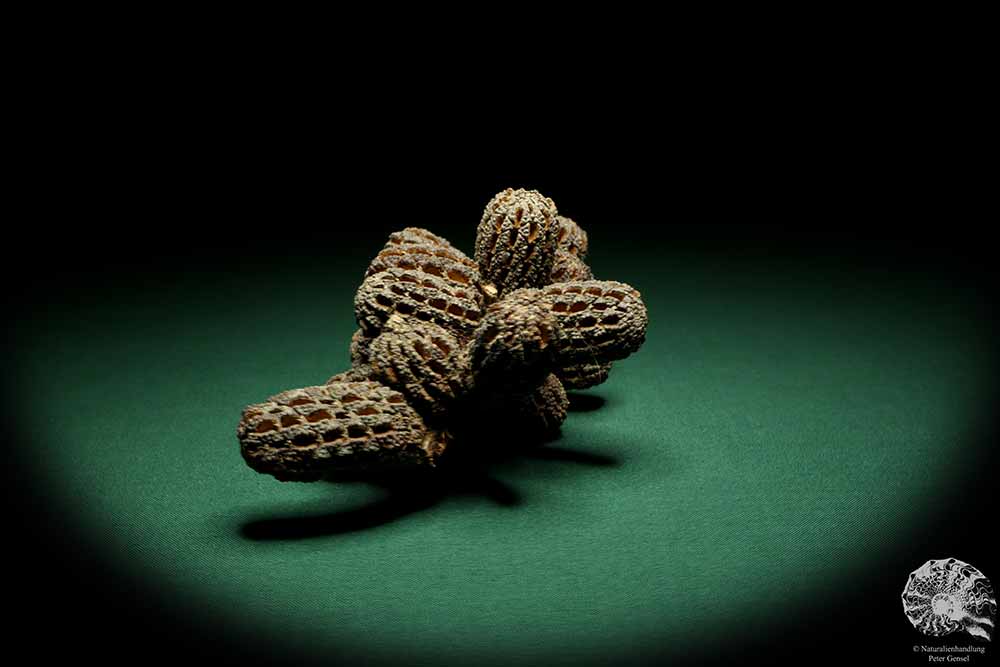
column 572, row 238
column 602, row 320
column 423, row 361
column 515, row 345
column 584, row 376
column 516, row 240
column 305, row 434
column 423, row 296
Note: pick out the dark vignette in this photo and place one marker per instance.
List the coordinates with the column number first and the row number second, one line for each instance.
column 860, row 193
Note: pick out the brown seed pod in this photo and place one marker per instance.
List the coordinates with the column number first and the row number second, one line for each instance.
column 423, row 361
column 572, row 238
column 584, row 376
column 515, row 345
column 305, row 434
column 423, row 296
column 602, row 320
column 516, row 240
column 568, row 267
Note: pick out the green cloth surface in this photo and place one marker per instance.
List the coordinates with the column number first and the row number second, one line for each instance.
column 782, row 424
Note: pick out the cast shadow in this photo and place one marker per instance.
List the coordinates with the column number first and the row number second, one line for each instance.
column 404, row 495
column 585, row 402
column 573, row 456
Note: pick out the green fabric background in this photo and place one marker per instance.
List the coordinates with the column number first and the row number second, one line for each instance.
column 783, row 423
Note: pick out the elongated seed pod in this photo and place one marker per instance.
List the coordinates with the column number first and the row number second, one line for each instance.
column 304, row 434
column 584, row 376
column 602, row 320
column 568, row 267
column 425, row 297
column 516, row 240
column 423, row 361
column 515, row 345
column 572, row 238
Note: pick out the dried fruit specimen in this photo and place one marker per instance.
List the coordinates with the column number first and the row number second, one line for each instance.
column 454, row 353
column 945, row 596
column 303, row 434
column 516, row 240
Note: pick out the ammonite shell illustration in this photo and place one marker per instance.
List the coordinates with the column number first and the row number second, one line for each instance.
column 945, row 596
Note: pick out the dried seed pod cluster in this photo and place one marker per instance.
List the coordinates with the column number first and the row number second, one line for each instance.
column 449, row 347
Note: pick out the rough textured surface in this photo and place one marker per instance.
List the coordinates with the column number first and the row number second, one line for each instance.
column 584, row 376
column 423, row 361
column 418, row 236
column 451, row 349
column 515, row 345
column 568, row 267
column 516, row 240
column 572, row 238
column 437, row 259
column 602, row 320
column 354, row 374
column 543, row 411
column 302, row 434
column 423, row 296
column 360, row 344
